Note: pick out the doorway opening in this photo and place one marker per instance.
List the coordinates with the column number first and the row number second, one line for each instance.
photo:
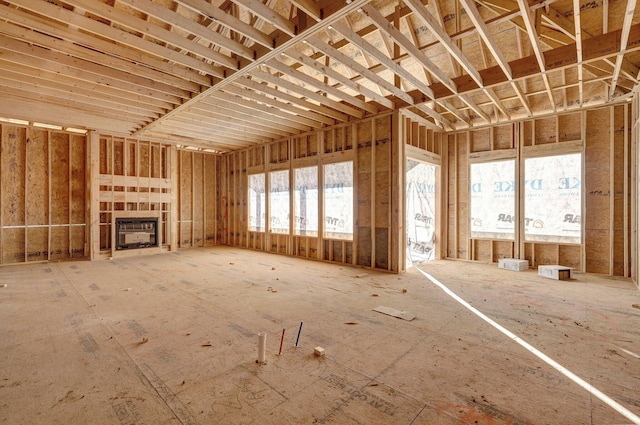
column 420, row 207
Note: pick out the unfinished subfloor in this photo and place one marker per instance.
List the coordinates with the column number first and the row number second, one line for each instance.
column 172, row 339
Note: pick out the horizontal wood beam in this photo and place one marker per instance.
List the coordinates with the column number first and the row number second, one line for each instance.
column 593, row 49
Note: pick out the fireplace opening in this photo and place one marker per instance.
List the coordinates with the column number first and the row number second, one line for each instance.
column 136, row 233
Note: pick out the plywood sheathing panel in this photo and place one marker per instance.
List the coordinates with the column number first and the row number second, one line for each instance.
column 452, row 216
column 13, row 245
column 77, row 200
column 118, row 157
column 570, row 256
column 365, row 212
column 60, row 179
column 77, row 152
column 198, row 217
column 221, row 200
column 364, row 203
column 462, row 204
column 597, row 190
column 527, row 133
column 483, row 250
column 545, row 254
column 502, row 249
column 545, row 131
column 210, row 198
column 131, row 163
column 481, row 140
column 37, row 179
column 106, row 155
column 185, row 196
column 145, row 160
column 620, row 176
column 529, row 254
column 59, row 249
column 570, row 127
column 37, row 243
column 364, row 246
column 503, row 137
column 13, row 175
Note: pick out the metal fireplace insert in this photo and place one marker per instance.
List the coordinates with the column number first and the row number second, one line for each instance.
column 136, row 232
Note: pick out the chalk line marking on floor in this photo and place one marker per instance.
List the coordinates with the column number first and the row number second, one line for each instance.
column 557, row 366
column 631, row 353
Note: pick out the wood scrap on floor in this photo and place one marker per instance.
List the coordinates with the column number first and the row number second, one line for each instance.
column 395, row 313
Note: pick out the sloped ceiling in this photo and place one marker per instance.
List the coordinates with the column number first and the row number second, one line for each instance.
column 228, row 75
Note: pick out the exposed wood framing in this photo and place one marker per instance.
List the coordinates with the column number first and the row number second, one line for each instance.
column 602, row 136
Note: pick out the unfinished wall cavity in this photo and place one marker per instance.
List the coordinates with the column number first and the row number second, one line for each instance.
column 42, row 194
column 196, row 197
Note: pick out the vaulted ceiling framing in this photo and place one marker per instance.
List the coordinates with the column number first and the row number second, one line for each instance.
column 224, row 75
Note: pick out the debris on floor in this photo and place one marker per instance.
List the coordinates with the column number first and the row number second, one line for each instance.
column 395, row 313
column 318, row 351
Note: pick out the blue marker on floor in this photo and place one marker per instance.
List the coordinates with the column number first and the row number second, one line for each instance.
column 298, row 337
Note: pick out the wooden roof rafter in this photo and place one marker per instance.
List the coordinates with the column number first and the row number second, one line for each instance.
column 305, row 93
column 530, row 25
column 626, row 28
column 269, row 58
column 229, row 20
column 391, row 31
column 360, row 69
column 578, row 38
column 176, row 66
column 257, row 8
column 449, row 44
column 384, row 60
column 342, row 80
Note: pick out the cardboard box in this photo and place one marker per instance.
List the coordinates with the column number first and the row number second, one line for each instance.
column 513, row 264
column 556, row 272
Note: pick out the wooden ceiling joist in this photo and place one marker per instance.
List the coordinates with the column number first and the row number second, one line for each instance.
column 360, row 69
column 269, row 15
column 329, row 116
column 321, row 86
column 227, row 74
column 332, row 74
column 304, row 93
column 624, row 39
column 216, row 14
column 175, row 19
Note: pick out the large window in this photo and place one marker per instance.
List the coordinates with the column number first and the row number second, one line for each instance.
column 257, row 202
column 338, row 200
column 493, row 189
column 279, row 198
column 305, row 201
column 553, row 198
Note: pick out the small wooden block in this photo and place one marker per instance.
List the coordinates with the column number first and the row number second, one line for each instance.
column 318, row 351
